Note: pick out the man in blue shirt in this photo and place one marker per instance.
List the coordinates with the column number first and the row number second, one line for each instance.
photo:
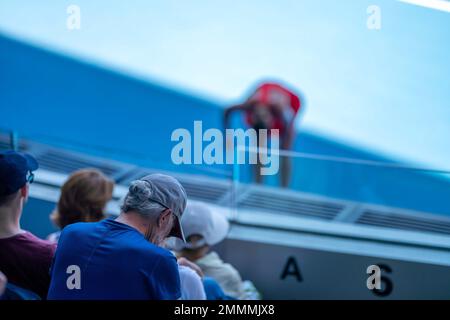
column 122, row 258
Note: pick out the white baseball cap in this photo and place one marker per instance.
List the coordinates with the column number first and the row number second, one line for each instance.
column 199, row 219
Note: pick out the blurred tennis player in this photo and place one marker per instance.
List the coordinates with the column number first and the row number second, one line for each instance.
column 271, row 106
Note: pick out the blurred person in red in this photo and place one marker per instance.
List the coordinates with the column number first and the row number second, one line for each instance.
column 271, row 106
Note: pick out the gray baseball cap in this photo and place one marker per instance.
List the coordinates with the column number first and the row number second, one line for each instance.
column 169, row 193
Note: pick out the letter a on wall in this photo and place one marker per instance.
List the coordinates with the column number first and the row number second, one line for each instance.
column 291, row 269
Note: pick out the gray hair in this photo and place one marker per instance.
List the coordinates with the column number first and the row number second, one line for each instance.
column 138, row 199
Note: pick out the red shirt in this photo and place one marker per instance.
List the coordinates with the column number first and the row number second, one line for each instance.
column 25, row 260
column 274, row 94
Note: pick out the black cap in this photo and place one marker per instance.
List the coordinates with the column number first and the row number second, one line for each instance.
column 14, row 168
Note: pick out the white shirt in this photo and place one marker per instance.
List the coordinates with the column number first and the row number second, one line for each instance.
column 191, row 284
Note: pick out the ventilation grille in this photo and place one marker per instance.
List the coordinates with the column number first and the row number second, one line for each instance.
column 286, row 204
column 199, row 190
column 404, row 222
column 207, row 189
column 5, row 144
column 135, row 174
column 67, row 163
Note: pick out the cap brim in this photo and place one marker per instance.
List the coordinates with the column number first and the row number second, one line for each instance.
column 177, row 230
column 31, row 162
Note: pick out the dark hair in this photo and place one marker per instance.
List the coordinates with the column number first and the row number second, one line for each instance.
column 83, row 198
column 4, row 200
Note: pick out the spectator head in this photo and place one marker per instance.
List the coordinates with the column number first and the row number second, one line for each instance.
column 159, row 200
column 83, row 198
column 202, row 227
column 16, row 172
